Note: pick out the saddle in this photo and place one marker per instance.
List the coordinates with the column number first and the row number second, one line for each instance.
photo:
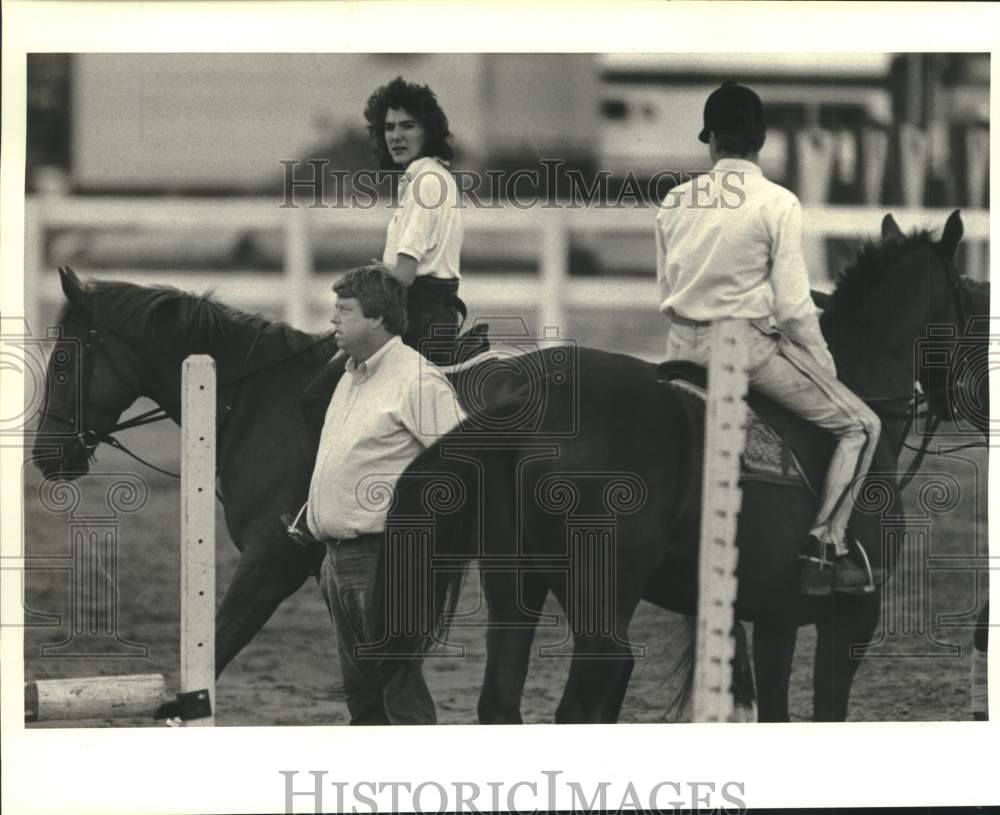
column 785, row 449
column 780, row 447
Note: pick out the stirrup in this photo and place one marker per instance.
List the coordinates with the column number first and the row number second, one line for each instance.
column 821, row 559
column 868, row 563
column 871, row 587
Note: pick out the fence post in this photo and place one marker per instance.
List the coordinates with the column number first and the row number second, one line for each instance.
column 198, row 534
column 34, row 264
column 298, row 268
column 554, row 271
column 725, row 424
column 914, row 152
column 815, row 150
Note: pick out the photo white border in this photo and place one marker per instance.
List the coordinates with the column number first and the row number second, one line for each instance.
column 181, row 770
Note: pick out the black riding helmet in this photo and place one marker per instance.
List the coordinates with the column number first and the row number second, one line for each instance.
column 733, row 109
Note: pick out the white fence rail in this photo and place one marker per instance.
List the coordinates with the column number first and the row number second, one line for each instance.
column 297, row 293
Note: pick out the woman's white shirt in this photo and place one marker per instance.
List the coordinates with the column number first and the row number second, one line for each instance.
column 427, row 224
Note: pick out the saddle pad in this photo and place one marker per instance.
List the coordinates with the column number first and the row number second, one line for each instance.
column 765, row 454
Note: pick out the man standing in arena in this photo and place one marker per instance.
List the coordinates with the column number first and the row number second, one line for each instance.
column 390, row 404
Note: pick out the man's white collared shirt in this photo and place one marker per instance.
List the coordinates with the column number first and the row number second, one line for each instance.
column 729, row 245
column 383, row 413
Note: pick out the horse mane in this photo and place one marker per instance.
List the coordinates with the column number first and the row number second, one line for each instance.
column 868, row 271
column 140, row 311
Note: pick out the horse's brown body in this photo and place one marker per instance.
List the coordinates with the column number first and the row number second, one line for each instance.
column 609, row 514
column 550, row 415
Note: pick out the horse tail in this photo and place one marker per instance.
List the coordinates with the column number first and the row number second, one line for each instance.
column 682, row 670
column 422, row 567
column 742, row 689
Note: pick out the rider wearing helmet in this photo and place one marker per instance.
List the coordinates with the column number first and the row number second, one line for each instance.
column 729, row 246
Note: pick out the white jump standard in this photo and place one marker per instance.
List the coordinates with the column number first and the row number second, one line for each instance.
column 725, row 436
column 130, row 696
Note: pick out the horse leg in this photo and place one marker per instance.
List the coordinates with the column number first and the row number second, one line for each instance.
column 616, row 696
column 849, row 624
column 978, row 679
column 515, row 603
column 597, row 680
column 773, row 650
column 269, row 570
column 744, row 693
column 602, row 661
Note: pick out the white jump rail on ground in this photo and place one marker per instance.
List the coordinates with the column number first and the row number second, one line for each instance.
column 129, row 696
column 292, row 292
column 725, row 434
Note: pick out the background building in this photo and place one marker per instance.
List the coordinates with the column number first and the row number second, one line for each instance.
column 183, row 152
column 219, row 123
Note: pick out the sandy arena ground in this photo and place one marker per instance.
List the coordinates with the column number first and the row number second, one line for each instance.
column 287, row 675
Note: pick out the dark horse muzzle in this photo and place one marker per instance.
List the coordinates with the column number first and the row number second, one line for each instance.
column 63, row 457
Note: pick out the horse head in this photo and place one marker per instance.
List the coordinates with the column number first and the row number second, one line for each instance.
column 952, row 361
column 905, row 297
column 91, row 379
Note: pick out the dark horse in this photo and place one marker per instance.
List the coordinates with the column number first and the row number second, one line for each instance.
column 598, row 501
column 119, row 342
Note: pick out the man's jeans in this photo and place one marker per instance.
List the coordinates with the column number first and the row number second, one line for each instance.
column 790, row 376
column 347, row 580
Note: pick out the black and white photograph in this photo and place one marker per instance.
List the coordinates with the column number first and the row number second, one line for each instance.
column 632, row 390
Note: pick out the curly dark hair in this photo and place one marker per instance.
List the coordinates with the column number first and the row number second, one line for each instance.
column 417, row 100
column 378, row 293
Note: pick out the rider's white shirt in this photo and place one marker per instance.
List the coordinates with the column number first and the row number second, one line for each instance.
column 384, row 411
column 427, row 224
column 729, row 245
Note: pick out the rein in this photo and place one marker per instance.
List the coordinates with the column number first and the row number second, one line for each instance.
column 91, row 439
column 913, row 402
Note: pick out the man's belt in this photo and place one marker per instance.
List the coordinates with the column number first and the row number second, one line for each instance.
column 678, row 320
column 342, row 541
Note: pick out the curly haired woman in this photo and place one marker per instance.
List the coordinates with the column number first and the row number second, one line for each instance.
column 424, row 239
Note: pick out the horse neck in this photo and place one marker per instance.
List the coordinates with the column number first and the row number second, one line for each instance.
column 875, row 351
column 164, row 379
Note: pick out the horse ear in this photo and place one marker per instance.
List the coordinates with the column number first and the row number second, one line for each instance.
column 820, row 299
column 71, row 285
column 953, row 230
column 890, row 229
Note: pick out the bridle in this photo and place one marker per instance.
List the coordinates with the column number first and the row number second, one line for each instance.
column 920, row 396
column 88, row 438
column 93, row 343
